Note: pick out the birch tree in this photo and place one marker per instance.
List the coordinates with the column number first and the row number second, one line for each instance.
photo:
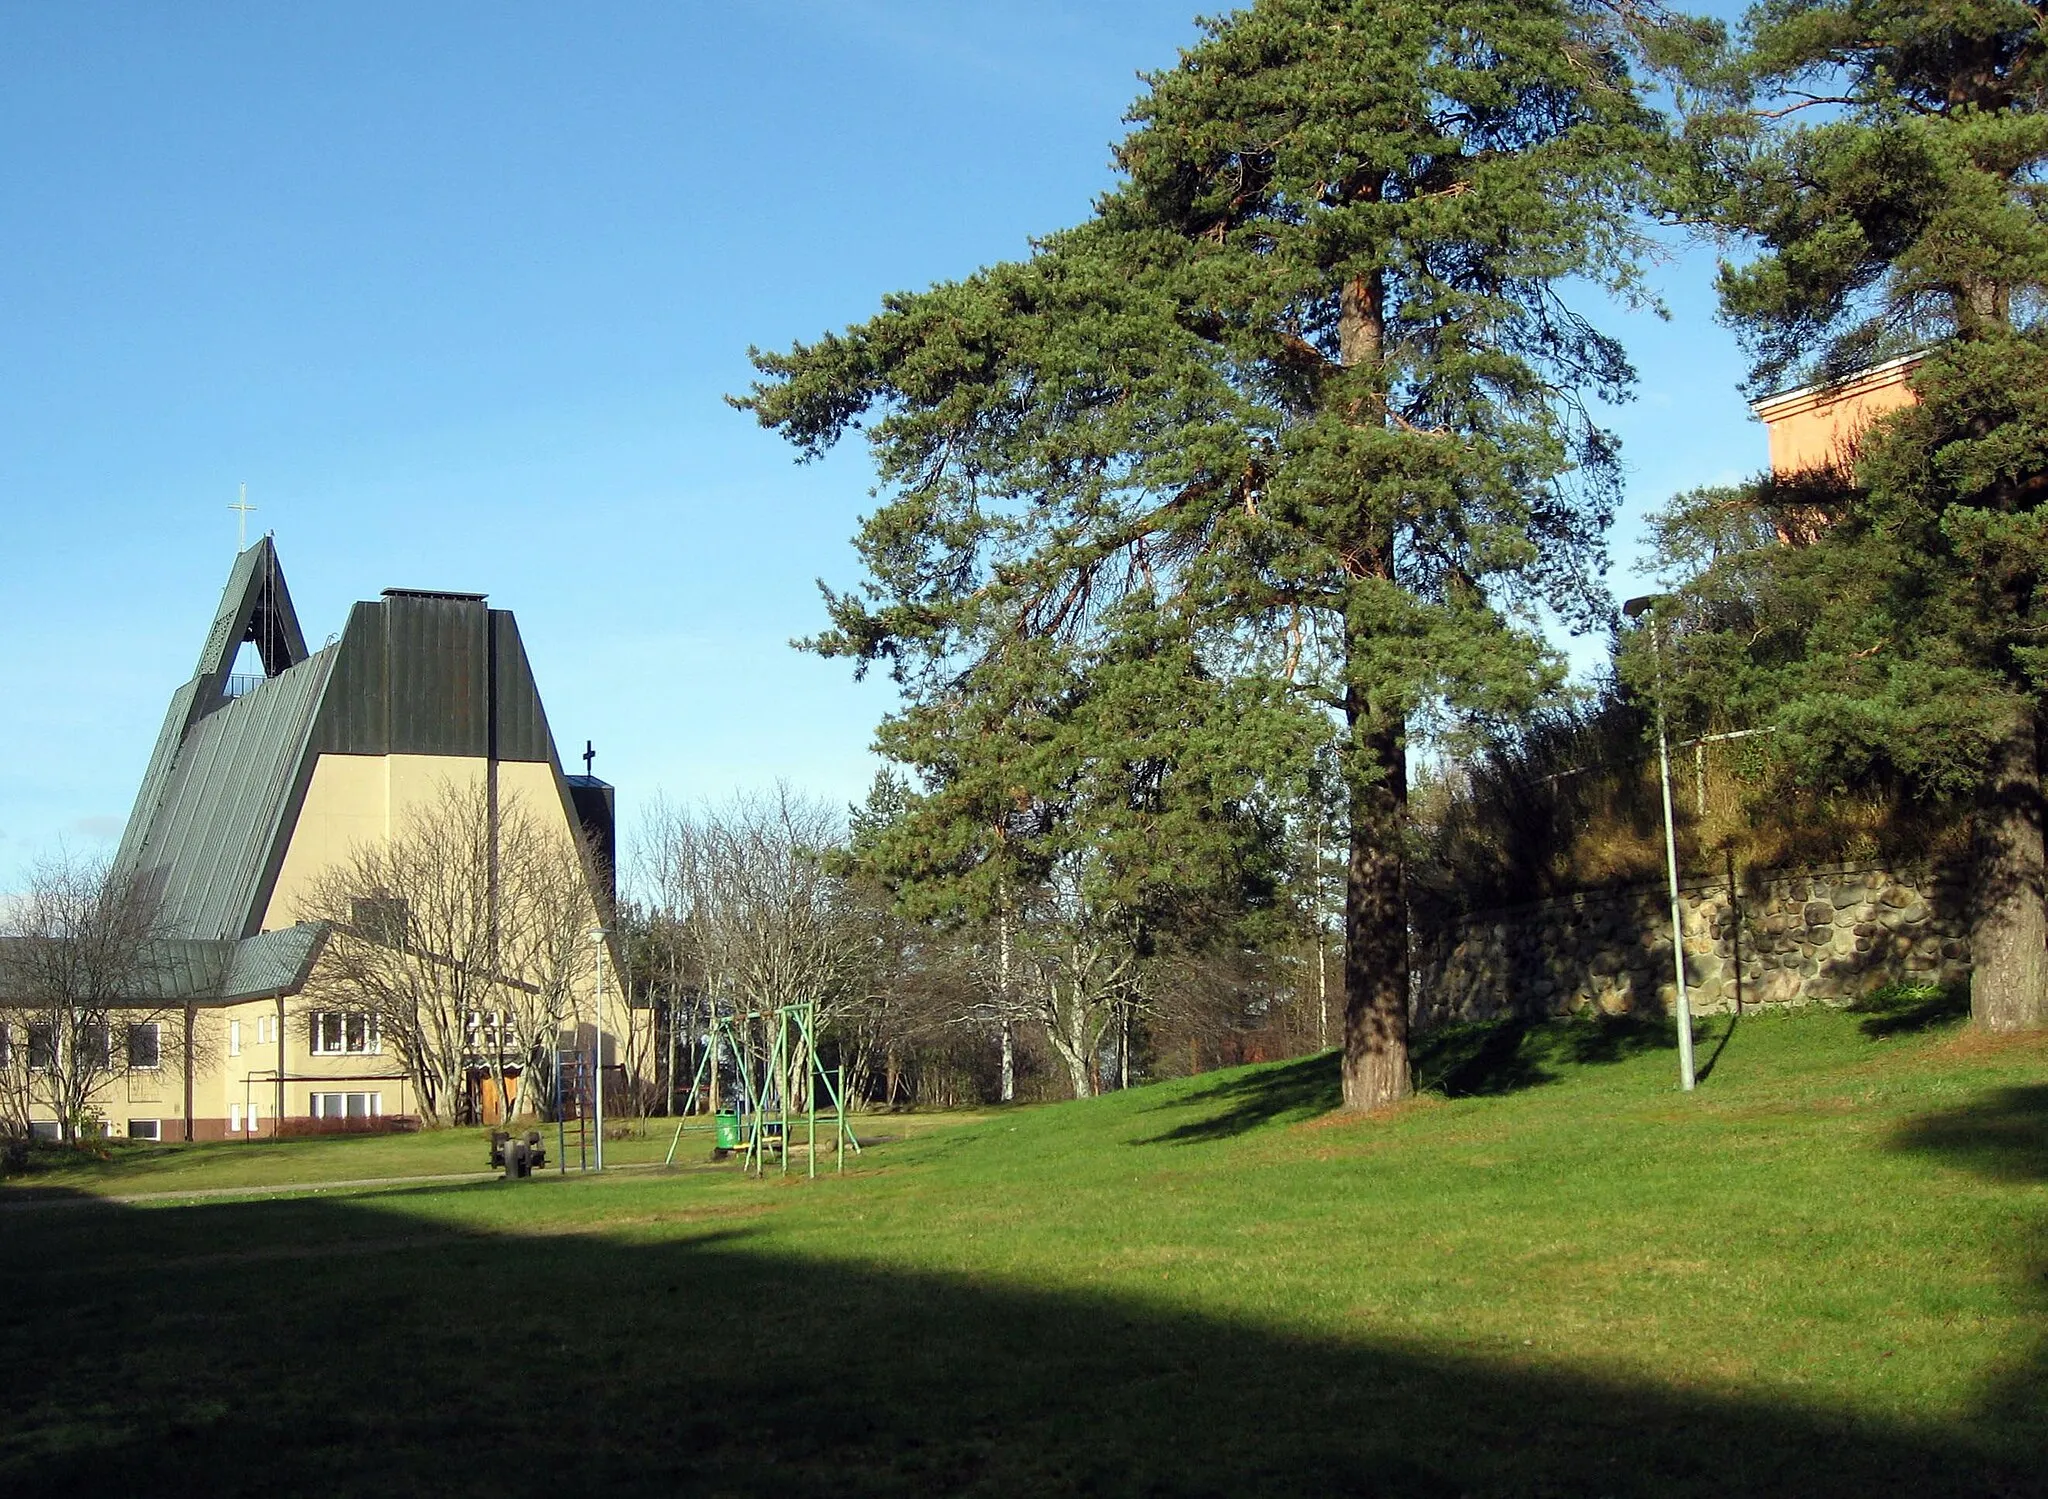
column 749, row 887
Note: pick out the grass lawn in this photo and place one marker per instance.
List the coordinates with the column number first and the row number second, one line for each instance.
column 133, row 1169
column 1822, row 1274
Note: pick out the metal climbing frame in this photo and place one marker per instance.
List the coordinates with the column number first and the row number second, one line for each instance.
column 572, row 1109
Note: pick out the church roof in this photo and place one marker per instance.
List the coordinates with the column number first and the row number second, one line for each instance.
column 213, row 801
column 230, row 972
column 178, row 970
column 414, row 672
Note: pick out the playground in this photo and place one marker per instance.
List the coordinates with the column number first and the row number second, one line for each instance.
column 1822, row 1274
column 761, row 1077
column 759, row 1089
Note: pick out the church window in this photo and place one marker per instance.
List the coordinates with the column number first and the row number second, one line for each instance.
column 483, row 1032
column 381, row 918
column 146, row 1045
column 347, row 1105
column 341, row 1032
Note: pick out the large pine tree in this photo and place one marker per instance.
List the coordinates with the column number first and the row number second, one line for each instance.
column 1309, row 383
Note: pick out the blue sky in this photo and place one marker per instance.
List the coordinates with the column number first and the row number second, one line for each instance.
column 457, row 290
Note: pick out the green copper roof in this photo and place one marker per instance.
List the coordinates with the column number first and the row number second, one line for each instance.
column 415, row 672
column 180, row 970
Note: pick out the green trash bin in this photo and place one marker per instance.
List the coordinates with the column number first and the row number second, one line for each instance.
column 726, row 1130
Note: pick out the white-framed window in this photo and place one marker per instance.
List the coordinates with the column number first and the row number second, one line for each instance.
column 234, row 1119
column 234, row 1038
column 145, row 1129
column 45, row 1129
column 348, row 1105
column 266, row 1030
column 42, row 1046
column 345, row 1032
column 6, row 1046
column 146, row 1046
column 483, row 1032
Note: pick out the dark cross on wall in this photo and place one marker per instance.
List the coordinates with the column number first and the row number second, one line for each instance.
column 589, row 755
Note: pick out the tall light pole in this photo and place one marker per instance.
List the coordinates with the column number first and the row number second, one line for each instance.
column 1635, row 609
column 597, row 1050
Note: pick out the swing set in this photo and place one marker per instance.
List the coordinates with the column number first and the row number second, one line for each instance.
column 773, row 1056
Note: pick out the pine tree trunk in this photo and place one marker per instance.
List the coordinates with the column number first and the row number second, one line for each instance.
column 1375, row 1067
column 1375, row 1062
column 2008, row 925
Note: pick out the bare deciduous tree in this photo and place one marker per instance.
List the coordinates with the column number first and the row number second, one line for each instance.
column 1081, row 973
column 467, row 936
column 749, row 889
column 81, row 972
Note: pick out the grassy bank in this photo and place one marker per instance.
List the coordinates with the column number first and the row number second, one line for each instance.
column 1824, row 1273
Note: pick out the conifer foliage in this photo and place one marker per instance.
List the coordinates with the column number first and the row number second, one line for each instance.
column 1301, row 409
column 1890, row 186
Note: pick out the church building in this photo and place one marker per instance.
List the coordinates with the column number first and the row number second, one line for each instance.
column 263, row 782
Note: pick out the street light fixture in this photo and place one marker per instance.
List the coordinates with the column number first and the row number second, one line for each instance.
column 1636, row 608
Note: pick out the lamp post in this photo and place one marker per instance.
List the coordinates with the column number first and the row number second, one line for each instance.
column 1635, row 609
column 597, row 1051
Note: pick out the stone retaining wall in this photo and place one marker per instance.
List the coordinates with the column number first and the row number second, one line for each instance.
column 1771, row 938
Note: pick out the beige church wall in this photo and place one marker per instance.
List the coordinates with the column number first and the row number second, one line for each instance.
column 245, row 1048
column 358, row 799
column 245, row 1051
column 354, row 800
column 130, row 1094
column 416, row 781
column 347, row 804
column 242, row 1048
column 1818, row 426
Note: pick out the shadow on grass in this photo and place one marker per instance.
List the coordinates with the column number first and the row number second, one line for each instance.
column 1486, row 1058
column 2002, row 1136
column 352, row 1347
column 1706, row 1068
column 1475, row 1060
column 1273, row 1094
column 1908, row 1009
